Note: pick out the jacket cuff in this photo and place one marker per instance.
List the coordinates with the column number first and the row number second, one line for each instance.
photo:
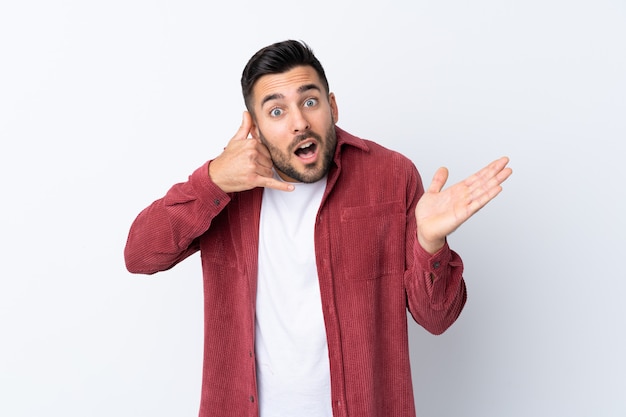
column 206, row 189
column 433, row 264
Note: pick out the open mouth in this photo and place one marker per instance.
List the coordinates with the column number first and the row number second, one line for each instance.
column 306, row 150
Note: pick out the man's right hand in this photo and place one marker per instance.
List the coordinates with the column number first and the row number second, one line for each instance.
column 245, row 163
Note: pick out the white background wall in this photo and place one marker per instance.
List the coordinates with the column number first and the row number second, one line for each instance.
column 104, row 105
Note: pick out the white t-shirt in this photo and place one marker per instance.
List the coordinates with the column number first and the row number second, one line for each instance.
column 293, row 370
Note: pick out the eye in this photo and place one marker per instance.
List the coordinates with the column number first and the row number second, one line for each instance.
column 276, row 112
column 310, row 102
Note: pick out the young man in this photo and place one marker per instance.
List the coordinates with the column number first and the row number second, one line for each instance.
column 313, row 244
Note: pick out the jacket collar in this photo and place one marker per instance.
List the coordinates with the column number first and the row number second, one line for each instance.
column 345, row 138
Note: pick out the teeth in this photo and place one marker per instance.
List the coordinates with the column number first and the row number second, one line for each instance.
column 306, row 145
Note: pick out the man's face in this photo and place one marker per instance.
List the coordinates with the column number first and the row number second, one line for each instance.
column 295, row 119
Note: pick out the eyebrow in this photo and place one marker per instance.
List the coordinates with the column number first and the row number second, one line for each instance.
column 301, row 89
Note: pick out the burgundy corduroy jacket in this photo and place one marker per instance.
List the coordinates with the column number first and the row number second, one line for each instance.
column 370, row 267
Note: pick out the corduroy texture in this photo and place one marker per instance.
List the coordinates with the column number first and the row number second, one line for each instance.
column 370, row 269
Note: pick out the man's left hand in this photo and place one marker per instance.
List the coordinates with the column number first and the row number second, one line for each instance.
column 439, row 213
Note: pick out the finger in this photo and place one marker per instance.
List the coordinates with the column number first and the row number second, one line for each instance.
column 262, row 149
column 439, row 180
column 499, row 168
column 276, row 185
column 482, row 192
column 493, row 175
column 263, row 158
column 244, row 128
column 481, row 200
column 504, row 175
column 264, row 168
column 488, row 190
column 490, row 171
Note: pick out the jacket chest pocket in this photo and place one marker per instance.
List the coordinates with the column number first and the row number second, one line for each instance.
column 373, row 240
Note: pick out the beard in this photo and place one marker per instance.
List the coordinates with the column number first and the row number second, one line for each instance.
column 312, row 172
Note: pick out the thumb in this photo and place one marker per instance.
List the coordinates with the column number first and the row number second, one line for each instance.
column 439, row 180
column 244, row 128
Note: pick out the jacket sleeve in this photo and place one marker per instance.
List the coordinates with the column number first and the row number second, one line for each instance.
column 435, row 288
column 167, row 231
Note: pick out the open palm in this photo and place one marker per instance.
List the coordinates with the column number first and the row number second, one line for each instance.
column 440, row 212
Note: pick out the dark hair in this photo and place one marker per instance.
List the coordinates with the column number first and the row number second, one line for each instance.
column 275, row 59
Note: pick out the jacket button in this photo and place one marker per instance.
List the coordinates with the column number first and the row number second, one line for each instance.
column 252, row 398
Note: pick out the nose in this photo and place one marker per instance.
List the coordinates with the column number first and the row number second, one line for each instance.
column 299, row 121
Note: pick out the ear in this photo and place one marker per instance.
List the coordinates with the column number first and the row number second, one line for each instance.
column 254, row 129
column 333, row 107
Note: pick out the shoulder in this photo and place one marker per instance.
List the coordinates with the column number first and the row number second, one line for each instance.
column 351, row 148
column 369, row 173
